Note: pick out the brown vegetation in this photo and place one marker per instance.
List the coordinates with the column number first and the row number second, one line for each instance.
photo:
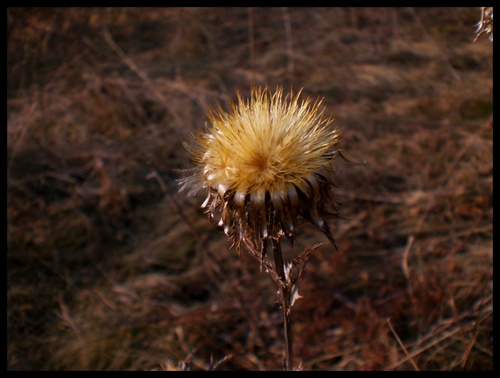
column 109, row 268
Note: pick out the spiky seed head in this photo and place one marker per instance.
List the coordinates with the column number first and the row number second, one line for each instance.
column 266, row 165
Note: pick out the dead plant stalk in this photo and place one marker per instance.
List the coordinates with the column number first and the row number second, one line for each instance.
column 267, row 166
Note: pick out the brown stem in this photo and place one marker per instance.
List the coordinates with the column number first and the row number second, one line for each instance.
column 285, row 290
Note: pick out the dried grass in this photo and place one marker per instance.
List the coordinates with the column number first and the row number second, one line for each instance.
column 109, row 269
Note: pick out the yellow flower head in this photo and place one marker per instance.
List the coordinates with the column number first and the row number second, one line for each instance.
column 266, row 165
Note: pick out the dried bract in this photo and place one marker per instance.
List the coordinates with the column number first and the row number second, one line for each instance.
column 485, row 25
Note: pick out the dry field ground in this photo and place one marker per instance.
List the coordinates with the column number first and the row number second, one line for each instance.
column 110, row 268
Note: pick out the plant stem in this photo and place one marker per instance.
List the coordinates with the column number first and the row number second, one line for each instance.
column 285, row 290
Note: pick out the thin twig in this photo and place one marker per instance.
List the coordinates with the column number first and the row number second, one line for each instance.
column 139, row 72
column 396, row 200
column 285, row 291
column 402, row 345
column 289, row 42
column 469, row 349
column 404, row 260
column 445, row 336
column 134, row 67
column 444, row 57
column 65, row 315
column 21, row 137
column 154, row 175
column 251, row 43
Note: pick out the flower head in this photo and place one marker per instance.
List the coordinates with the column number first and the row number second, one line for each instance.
column 267, row 166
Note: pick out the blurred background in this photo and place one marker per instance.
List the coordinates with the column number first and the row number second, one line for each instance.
column 110, row 268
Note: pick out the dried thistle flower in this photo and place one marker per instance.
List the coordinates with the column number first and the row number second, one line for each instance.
column 267, row 166
column 485, row 25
